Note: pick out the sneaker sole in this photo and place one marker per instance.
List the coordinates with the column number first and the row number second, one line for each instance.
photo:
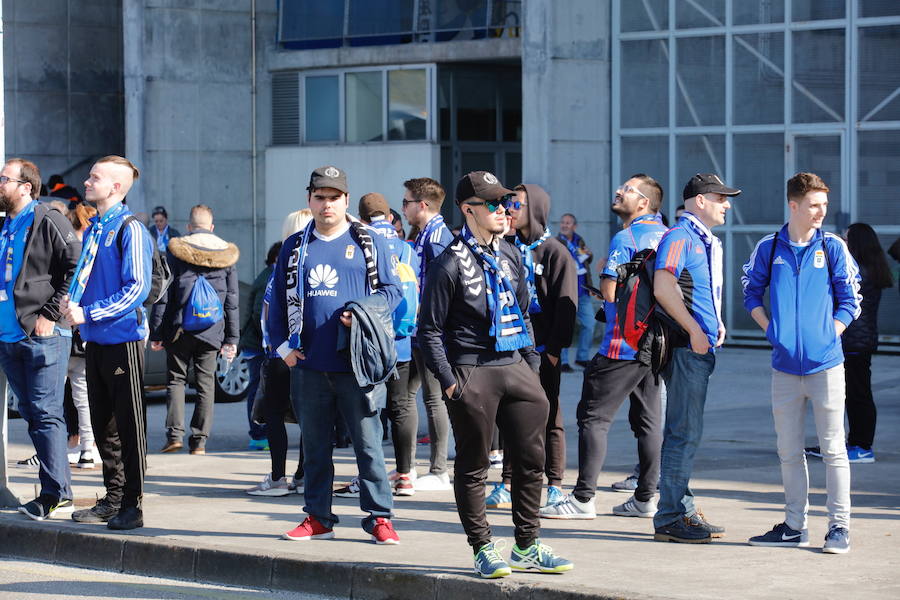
column 640, row 515
column 409, row 492
column 559, row 569
column 31, row 516
column 862, row 461
column 318, row 536
column 581, row 517
column 87, row 465
column 506, row 572
column 273, row 493
column 624, row 490
column 836, row 550
column 342, row 495
column 779, row 544
column 664, row 537
column 385, row 542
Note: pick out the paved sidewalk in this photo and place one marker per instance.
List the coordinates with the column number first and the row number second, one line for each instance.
column 200, row 524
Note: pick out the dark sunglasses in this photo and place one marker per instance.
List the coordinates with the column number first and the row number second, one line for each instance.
column 508, row 201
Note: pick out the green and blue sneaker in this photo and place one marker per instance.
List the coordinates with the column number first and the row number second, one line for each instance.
column 554, row 495
column 488, row 562
column 499, row 497
column 538, row 556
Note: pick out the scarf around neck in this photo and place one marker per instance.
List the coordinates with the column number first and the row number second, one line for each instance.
column 714, row 254
column 89, row 252
column 433, row 224
column 528, row 259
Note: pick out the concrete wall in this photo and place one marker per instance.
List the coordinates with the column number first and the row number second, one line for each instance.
column 566, row 110
column 370, row 168
column 63, row 83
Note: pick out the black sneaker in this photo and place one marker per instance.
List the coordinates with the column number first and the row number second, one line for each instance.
column 42, row 507
column 697, row 519
column 781, row 535
column 813, row 451
column 566, row 368
column 101, row 512
column 682, row 531
column 130, row 517
column 31, row 462
column 584, row 364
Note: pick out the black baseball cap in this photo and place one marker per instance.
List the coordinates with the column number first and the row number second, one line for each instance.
column 482, row 184
column 701, row 183
column 328, row 177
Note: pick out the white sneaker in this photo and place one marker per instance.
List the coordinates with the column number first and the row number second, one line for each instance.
column 569, row 508
column 270, row 487
column 431, row 482
column 635, row 508
column 73, row 455
column 296, row 485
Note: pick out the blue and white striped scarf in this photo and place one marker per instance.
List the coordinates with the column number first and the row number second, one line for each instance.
column 431, row 227
column 528, row 259
column 89, row 252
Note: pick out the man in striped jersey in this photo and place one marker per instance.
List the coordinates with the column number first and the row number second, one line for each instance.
column 110, row 285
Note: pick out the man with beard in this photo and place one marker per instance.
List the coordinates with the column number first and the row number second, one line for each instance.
column 39, row 251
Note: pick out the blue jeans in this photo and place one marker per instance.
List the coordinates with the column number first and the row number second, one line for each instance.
column 36, row 370
column 255, row 365
column 586, row 323
column 317, row 397
column 686, row 377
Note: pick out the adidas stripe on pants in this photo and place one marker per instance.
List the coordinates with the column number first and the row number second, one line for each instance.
column 116, row 394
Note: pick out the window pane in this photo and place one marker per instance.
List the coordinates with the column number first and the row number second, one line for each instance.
column 751, row 13
column 477, row 161
column 645, row 89
column 701, row 92
column 879, row 177
column 889, row 310
column 311, row 20
column 460, row 17
column 814, row 10
column 651, row 15
column 698, row 154
column 511, row 97
column 322, row 106
column 758, row 171
column 364, row 102
column 879, row 75
column 372, row 18
column 738, row 253
column 821, row 154
column 408, row 109
column 818, row 76
column 476, row 101
column 879, row 8
column 445, row 89
column 759, row 78
column 513, row 175
column 699, row 13
column 650, row 155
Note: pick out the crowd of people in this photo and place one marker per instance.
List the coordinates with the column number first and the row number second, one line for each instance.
column 350, row 319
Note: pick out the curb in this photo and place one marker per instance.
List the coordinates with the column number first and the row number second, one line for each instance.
column 58, row 542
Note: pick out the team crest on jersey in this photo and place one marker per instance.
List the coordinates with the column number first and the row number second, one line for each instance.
column 819, row 259
column 504, row 264
column 349, row 251
column 109, row 238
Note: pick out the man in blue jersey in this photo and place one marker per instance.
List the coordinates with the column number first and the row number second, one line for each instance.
column 813, row 286
column 422, row 201
column 615, row 372
column 110, row 285
column 39, row 251
column 688, row 286
column 319, row 269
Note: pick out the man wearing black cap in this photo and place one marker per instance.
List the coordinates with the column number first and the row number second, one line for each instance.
column 319, row 269
column 688, row 286
column 477, row 341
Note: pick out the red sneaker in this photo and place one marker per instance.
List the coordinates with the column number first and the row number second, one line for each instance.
column 404, row 486
column 309, row 529
column 383, row 532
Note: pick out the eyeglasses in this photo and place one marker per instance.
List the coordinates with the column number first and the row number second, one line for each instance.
column 4, row 179
column 511, row 201
column 627, row 188
column 407, row 202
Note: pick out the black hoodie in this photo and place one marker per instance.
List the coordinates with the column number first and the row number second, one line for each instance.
column 556, row 278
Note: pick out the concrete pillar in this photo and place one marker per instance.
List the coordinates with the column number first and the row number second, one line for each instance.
column 566, row 110
column 133, row 67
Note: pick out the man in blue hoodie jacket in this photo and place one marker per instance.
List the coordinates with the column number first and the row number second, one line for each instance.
column 813, row 286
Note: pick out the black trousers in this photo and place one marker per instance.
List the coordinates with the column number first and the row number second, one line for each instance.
column 276, row 404
column 512, row 397
column 115, row 376
column 403, row 415
column 606, row 384
column 861, row 411
column 180, row 354
column 555, row 434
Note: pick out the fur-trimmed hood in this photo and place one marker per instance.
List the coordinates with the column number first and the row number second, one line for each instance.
column 204, row 249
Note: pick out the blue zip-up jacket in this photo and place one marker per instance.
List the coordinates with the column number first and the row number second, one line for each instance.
column 118, row 286
column 803, row 303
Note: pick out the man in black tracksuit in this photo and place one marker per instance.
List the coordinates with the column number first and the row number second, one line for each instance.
column 552, row 312
column 201, row 253
column 478, row 343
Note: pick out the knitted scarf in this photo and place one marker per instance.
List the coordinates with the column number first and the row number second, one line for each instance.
column 528, row 260
column 434, row 224
column 89, row 252
column 714, row 252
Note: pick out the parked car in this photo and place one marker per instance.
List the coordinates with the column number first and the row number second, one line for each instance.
column 232, row 380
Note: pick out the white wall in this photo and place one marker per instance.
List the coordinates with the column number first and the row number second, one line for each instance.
column 370, row 168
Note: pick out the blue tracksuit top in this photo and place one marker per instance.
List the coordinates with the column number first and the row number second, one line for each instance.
column 803, row 304
column 118, row 286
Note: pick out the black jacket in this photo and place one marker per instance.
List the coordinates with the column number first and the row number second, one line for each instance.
column 51, row 254
column 454, row 321
column 862, row 334
column 555, row 279
column 251, row 331
column 200, row 253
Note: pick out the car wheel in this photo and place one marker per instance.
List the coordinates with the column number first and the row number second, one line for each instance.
column 232, row 379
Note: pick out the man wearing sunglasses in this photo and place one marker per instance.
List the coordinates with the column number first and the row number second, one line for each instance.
column 477, row 340
column 553, row 291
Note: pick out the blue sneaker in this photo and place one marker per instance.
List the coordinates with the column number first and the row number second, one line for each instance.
column 858, row 455
column 837, row 541
column 554, row 495
column 262, row 444
column 499, row 498
column 488, row 562
column 538, row 556
column 781, row 535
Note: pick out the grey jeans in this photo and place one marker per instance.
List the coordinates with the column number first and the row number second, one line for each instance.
column 790, row 394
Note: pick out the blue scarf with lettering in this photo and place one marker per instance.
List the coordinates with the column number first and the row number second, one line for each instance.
column 528, row 260
column 435, row 223
column 507, row 323
column 89, row 251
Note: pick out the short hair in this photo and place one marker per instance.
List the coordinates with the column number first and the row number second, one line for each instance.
column 574, row 220
column 426, row 189
column 28, row 172
column 652, row 190
column 121, row 161
column 802, row 183
column 272, row 255
column 201, row 215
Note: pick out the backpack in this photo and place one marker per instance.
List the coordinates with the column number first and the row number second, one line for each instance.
column 203, row 308
column 641, row 322
column 161, row 278
column 407, row 311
